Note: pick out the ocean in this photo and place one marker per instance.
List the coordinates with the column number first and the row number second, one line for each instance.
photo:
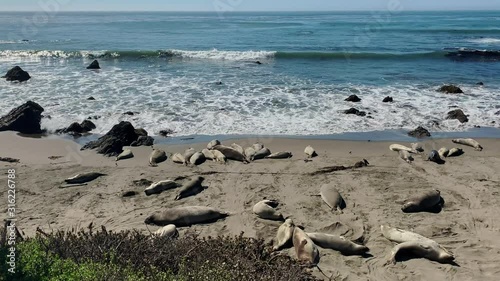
column 196, row 73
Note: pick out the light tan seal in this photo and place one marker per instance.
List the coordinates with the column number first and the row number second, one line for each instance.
column 422, row 249
column 443, row 152
column 187, row 155
column 185, row 216
column 231, row 153
column 83, row 178
column 338, row 243
column 399, row 235
column 250, row 153
column 265, row 209
column 126, row 154
column 310, row 152
column 469, row 142
column 197, row 159
column 405, row 155
column 284, row 235
column 213, row 143
column 332, row 197
column 219, row 157
column 178, row 158
column 422, row 202
column 157, row 156
column 191, row 188
column 169, row 231
column 305, row 249
column 208, row 154
column 238, row 148
column 454, row 152
column 399, row 147
column 159, row 187
column 280, row 155
column 258, row 146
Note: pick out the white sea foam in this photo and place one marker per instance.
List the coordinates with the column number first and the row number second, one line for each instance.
column 486, row 41
column 224, row 55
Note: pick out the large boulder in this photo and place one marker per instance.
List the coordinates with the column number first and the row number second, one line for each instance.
column 419, row 133
column 94, row 65
column 17, row 74
column 457, row 114
column 24, row 119
column 112, row 143
column 353, row 98
column 450, row 89
column 355, row 112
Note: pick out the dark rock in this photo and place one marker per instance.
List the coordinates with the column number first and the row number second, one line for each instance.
column 94, row 65
column 88, row 125
column 353, row 98
column 17, row 74
column 77, row 129
column 419, row 132
column 477, row 126
column 218, row 83
column 95, row 117
column 130, row 113
column 474, row 55
column 112, row 143
column 46, row 116
column 24, row 119
column 143, row 141
column 166, row 133
column 141, row 132
column 450, row 89
column 258, row 62
column 91, row 98
column 480, row 83
column 355, row 112
column 457, row 114
column 388, row 99
column 9, row 160
column 497, row 113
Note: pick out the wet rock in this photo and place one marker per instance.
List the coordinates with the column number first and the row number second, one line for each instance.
column 480, row 83
column 90, row 98
column 17, row 74
column 95, row 117
column 353, row 98
column 450, row 89
column 94, row 65
column 355, row 112
column 77, row 129
column 143, row 141
column 24, row 119
column 457, row 114
column 497, row 113
column 388, row 99
column 88, row 125
column 141, row 132
column 112, row 143
column 166, row 133
column 129, row 113
column 419, row 132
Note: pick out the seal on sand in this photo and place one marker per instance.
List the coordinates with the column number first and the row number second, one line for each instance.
column 399, row 235
column 185, row 216
column 208, row 154
column 443, row 152
column 190, row 188
column 422, row 202
column 310, row 152
column 83, row 178
column 258, row 146
column 159, row 187
column 417, row 147
column 469, row 142
column 178, row 158
column 280, row 155
column 405, row 155
column 126, row 154
column 219, row 157
column 434, row 157
column 156, row 157
column 250, row 153
column 422, row 249
column 455, row 152
column 231, row 153
column 213, row 143
column 197, row 159
column 337, row 243
column 332, row 197
column 169, row 231
column 187, row 155
column 284, row 235
column 265, row 209
column 238, row 148
column 261, row 154
column 399, row 147
column 305, row 249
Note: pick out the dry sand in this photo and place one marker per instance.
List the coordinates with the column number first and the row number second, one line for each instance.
column 469, row 224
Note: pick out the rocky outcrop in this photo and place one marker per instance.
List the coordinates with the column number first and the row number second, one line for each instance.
column 78, row 129
column 353, row 98
column 112, row 143
column 355, row 112
column 24, row 119
column 450, row 89
column 419, row 133
column 141, row 132
column 388, row 99
column 94, row 65
column 143, row 141
column 17, row 74
column 457, row 114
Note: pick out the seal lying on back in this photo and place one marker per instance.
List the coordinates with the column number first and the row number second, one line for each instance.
column 280, row 155
column 284, row 235
column 231, row 153
column 305, row 248
column 185, row 216
column 265, row 209
column 422, row 202
column 159, row 187
column 332, row 197
column 423, row 249
column 337, row 243
column 469, row 142
column 190, row 188
column 83, row 178
column 399, row 147
column 169, row 231
column 156, row 157
column 310, row 152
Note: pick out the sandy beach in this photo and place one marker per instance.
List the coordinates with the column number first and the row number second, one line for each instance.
column 468, row 225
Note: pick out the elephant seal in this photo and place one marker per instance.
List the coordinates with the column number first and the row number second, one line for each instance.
column 280, row 155
column 169, row 231
column 187, row 155
column 434, row 157
column 422, row 202
column 337, row 243
column 190, row 188
column 83, row 178
column 399, row 147
column 265, row 209
column 126, row 154
column 213, row 143
column 258, row 146
column 185, row 216
column 405, row 155
column 417, row 147
column 332, row 197
column 400, row 236
column 469, row 142
column 197, row 159
column 178, row 158
column 159, row 187
column 310, row 152
column 305, row 249
column 208, row 154
column 261, row 154
column 454, row 152
column 443, row 152
column 284, row 235
column 422, row 249
column 238, row 148
column 219, row 157
column 250, row 153
column 231, row 153
column 156, row 157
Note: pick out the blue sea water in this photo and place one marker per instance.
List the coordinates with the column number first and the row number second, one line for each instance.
column 166, row 68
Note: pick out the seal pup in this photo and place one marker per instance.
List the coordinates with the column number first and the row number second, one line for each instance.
column 417, row 147
column 157, row 156
column 427, row 249
column 280, row 155
column 305, row 249
column 190, row 188
column 185, row 216
column 265, row 209
column 261, row 154
column 337, row 243
column 310, row 152
column 126, row 154
column 238, row 148
column 443, row 152
column 250, row 153
column 159, row 187
column 332, row 197
column 219, row 157
column 83, row 178
column 187, row 155
column 284, row 235
column 399, row 147
column 423, row 202
column 469, row 142
column 213, row 143
column 405, row 155
column 197, row 159
column 208, row 154
column 169, row 231
column 178, row 158
column 454, row 152
column 231, row 153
